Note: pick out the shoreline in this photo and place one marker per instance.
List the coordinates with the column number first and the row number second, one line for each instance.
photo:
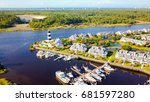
column 25, row 27
column 99, row 61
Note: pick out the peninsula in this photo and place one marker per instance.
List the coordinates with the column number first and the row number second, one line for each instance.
column 129, row 49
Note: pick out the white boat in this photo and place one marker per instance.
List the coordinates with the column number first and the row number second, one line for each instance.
column 90, row 78
column 48, row 54
column 148, row 82
column 70, row 75
column 40, row 54
column 67, row 58
column 79, row 81
column 60, row 57
column 62, row 77
column 95, row 76
column 98, row 72
column 108, row 67
column 86, row 69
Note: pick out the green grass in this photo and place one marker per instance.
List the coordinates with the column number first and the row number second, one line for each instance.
column 136, row 47
column 4, row 81
column 2, row 71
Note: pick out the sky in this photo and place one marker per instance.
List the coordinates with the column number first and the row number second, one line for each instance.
column 74, row 3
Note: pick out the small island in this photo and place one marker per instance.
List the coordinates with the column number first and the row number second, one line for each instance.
column 127, row 50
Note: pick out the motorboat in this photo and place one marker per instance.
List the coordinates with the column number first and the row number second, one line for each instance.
column 60, row 57
column 62, row 77
column 67, row 58
column 40, row 54
column 90, row 79
column 70, row 75
column 79, row 81
column 86, row 69
column 95, row 76
column 98, row 72
column 108, row 67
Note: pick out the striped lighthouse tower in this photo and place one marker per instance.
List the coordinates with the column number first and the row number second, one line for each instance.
column 49, row 35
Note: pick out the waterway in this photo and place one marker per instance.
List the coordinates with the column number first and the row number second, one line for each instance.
column 26, row 69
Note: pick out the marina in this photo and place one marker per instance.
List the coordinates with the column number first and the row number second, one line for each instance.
column 25, row 68
column 91, row 76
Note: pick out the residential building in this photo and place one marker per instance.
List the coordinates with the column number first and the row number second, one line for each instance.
column 98, row 51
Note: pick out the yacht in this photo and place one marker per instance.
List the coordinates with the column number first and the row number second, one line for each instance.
column 95, row 76
column 62, row 77
column 60, row 57
column 98, row 72
column 108, row 67
column 48, row 54
column 90, row 79
column 86, row 69
column 148, row 82
column 70, row 75
column 67, row 58
column 40, row 54
column 79, row 81
column 76, row 68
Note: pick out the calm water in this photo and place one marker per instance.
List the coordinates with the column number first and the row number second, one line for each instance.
column 25, row 68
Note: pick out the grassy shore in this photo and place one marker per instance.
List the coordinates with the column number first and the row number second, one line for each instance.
column 26, row 27
column 145, row 70
column 4, row 81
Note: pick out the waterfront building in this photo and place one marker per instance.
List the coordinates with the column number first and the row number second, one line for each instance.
column 134, row 57
column 75, row 36
column 98, row 51
column 78, row 47
column 145, row 38
column 58, row 43
column 137, row 42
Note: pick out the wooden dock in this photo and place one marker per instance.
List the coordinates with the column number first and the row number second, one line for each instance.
column 76, row 71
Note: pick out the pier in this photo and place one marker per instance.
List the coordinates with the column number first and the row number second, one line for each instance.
column 76, row 71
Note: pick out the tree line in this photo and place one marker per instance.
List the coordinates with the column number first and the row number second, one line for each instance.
column 8, row 21
column 57, row 18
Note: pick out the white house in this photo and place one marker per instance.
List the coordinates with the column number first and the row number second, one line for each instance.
column 78, row 47
column 137, row 42
column 58, row 43
column 131, row 56
column 98, row 51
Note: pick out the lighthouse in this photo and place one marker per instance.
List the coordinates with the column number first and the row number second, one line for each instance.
column 49, row 35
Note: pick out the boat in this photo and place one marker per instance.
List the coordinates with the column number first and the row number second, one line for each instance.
column 95, row 76
column 86, row 69
column 148, row 82
column 60, row 57
column 76, row 68
column 40, row 54
column 107, row 67
column 98, row 72
column 62, row 77
column 90, row 79
column 79, row 81
column 70, row 75
column 67, row 58
column 48, row 54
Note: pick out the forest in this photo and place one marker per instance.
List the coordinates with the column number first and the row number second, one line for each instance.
column 8, row 21
column 56, row 18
